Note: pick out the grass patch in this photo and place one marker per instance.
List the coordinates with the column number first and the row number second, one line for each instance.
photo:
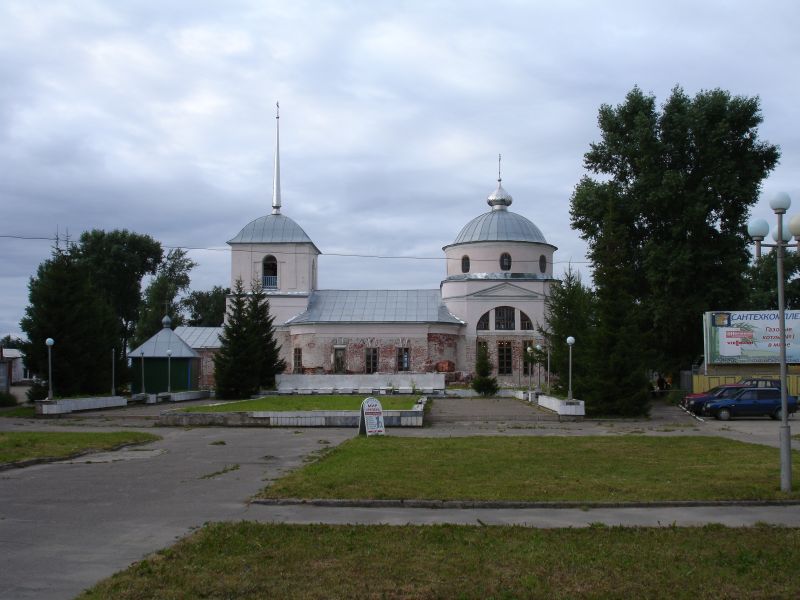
column 26, row 445
column 23, row 412
column 591, row 468
column 251, row 561
column 302, row 403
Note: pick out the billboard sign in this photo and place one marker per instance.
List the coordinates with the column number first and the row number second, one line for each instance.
column 749, row 337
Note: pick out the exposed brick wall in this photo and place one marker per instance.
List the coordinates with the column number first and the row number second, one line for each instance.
column 206, row 379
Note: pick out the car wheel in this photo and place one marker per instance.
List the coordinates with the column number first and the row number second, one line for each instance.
column 776, row 415
column 724, row 414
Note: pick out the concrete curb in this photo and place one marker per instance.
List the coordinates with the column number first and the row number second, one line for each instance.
column 502, row 504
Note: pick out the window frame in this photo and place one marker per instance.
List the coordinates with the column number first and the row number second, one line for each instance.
column 505, row 358
column 403, row 359
column 505, row 318
column 505, row 261
column 370, row 360
column 465, row 264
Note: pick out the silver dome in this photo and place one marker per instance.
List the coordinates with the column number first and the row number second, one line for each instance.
column 500, row 225
column 271, row 229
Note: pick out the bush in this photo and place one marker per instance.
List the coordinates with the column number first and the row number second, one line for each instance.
column 7, row 399
column 38, row 391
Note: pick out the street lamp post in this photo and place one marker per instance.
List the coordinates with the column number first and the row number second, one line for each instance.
column 538, row 368
column 113, row 373
column 530, row 356
column 141, row 360
column 570, row 342
column 49, row 342
column 169, row 371
column 758, row 230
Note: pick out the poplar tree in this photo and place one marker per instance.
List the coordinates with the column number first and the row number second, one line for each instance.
column 681, row 180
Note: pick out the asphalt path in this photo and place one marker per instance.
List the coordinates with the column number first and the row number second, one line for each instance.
column 66, row 525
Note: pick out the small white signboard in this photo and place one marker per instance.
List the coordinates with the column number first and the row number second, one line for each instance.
column 371, row 420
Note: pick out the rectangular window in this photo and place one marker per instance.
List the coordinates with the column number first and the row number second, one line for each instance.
column 403, row 359
column 504, row 357
column 371, row 360
column 527, row 367
column 297, row 363
column 504, row 318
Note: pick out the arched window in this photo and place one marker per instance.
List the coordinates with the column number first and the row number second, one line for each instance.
column 543, row 263
column 504, row 318
column 525, row 322
column 483, row 322
column 465, row 264
column 505, row 261
column 270, row 275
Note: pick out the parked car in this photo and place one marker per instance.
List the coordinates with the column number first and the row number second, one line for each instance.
column 761, row 382
column 695, row 402
column 750, row 402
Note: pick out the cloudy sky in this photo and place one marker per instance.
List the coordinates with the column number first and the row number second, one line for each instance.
column 158, row 117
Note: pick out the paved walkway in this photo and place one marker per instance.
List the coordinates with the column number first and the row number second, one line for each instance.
column 64, row 526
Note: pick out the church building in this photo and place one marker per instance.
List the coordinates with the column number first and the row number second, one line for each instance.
column 498, row 275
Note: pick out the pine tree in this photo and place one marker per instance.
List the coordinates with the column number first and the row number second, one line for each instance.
column 235, row 365
column 268, row 362
column 484, row 383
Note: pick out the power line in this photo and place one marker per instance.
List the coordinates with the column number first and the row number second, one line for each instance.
column 338, row 254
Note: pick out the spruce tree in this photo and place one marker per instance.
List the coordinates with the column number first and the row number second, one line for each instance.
column 236, row 368
column 483, row 383
column 569, row 311
column 267, row 361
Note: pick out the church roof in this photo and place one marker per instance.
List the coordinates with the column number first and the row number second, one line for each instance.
column 271, row 229
column 200, row 337
column 375, row 306
column 500, row 226
column 157, row 346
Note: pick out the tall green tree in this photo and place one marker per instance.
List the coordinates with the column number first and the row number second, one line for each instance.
column 65, row 305
column 762, row 282
column 162, row 295
column 483, row 382
column 117, row 261
column 206, row 308
column 267, row 360
column 236, row 366
column 569, row 311
column 682, row 180
column 617, row 359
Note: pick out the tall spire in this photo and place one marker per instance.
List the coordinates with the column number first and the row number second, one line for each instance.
column 276, row 177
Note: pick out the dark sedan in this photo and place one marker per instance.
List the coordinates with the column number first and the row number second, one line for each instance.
column 695, row 402
column 751, row 402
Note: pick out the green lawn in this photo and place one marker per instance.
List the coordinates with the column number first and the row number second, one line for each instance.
column 19, row 411
column 25, row 445
column 252, row 561
column 300, row 403
column 548, row 468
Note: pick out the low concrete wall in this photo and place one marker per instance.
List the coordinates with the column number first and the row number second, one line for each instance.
column 67, row 405
column 311, row 418
column 575, row 408
column 184, row 396
column 409, row 383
